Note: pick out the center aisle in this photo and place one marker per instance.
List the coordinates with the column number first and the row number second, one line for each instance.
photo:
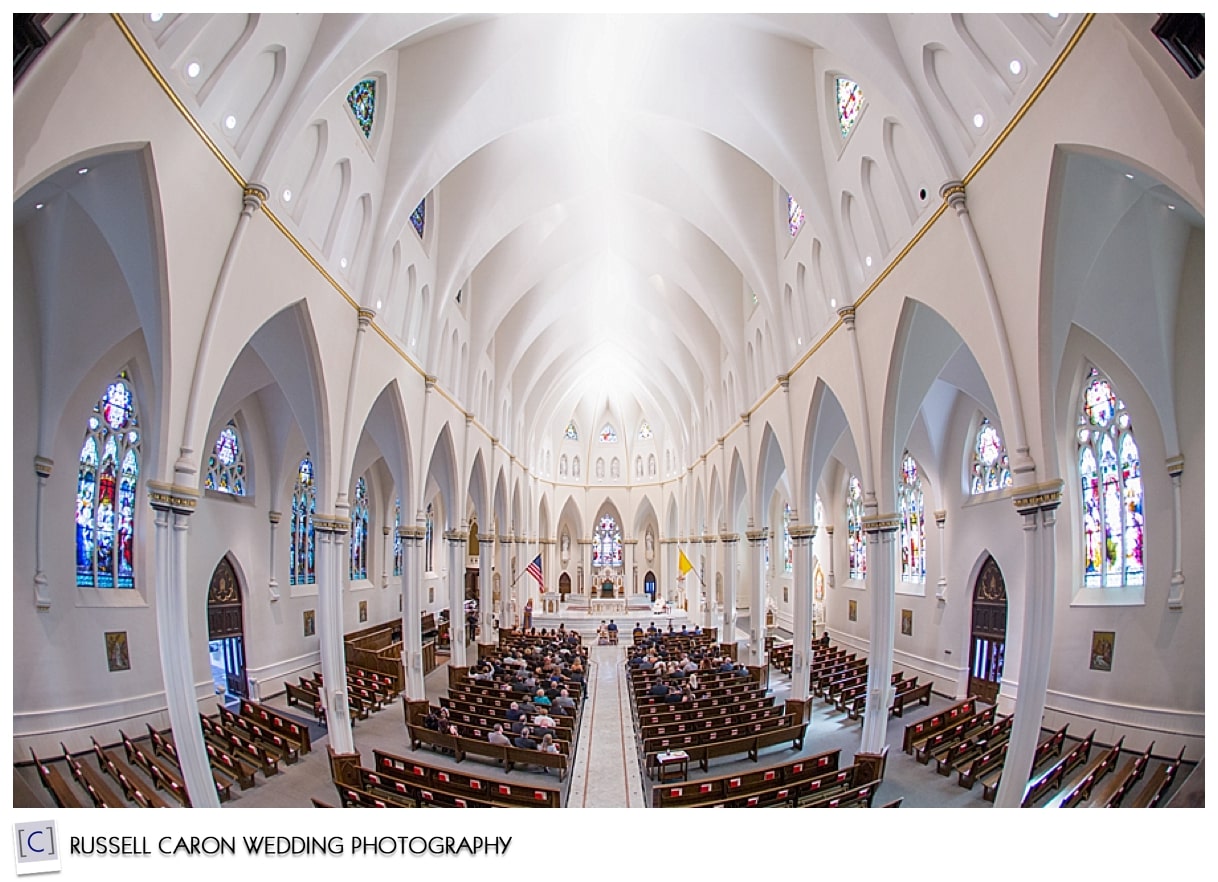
column 606, row 773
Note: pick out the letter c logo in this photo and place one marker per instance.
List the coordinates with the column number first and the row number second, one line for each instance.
column 29, row 841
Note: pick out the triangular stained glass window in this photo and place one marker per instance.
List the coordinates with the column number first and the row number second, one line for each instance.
column 645, row 431
column 571, row 434
column 849, row 104
column 795, row 215
column 418, row 217
column 608, row 434
column 362, row 100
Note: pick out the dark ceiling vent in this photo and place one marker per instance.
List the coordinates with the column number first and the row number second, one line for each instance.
column 28, row 39
column 1183, row 33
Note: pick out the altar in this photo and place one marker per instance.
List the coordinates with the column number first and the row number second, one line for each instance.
column 615, row 605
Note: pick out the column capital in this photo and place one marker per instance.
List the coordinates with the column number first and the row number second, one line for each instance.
column 952, row 193
column 744, row 417
column 881, row 523
column 486, row 538
column 846, row 313
column 503, row 539
column 456, row 535
column 171, row 497
column 44, row 464
column 803, row 532
column 729, row 538
column 415, row 534
column 784, row 380
column 624, row 541
column 429, row 380
column 1175, row 465
column 364, row 316
column 757, row 535
column 1039, row 497
column 331, row 524
column 274, row 516
column 253, row 196
column 940, row 517
column 709, row 538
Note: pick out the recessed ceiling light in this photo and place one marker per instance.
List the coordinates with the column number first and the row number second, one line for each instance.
column 82, row 171
column 154, row 17
column 1016, row 66
column 1129, row 176
column 833, row 303
column 1169, row 205
column 230, row 122
column 799, row 341
column 287, row 195
column 378, row 304
column 978, row 120
column 192, row 69
column 868, row 260
column 1054, row 14
column 343, row 263
column 38, row 206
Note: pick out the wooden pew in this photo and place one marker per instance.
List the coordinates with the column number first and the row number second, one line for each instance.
column 164, row 746
column 925, row 747
column 287, row 749
column 1093, row 774
column 943, row 719
column 61, row 792
column 130, row 783
column 412, row 773
column 276, row 722
column 1110, row 795
column 93, row 782
column 738, row 785
column 162, row 776
column 914, row 695
column 1048, row 748
column 1053, row 778
column 1153, row 791
column 856, row 797
column 239, row 745
column 964, row 752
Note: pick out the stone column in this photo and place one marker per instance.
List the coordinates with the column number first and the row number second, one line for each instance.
column 505, row 605
column 386, row 555
column 1175, row 591
column 881, row 533
column 330, row 533
column 1038, row 506
column 630, row 573
column 756, row 589
column 730, row 543
column 830, row 578
column 272, row 585
column 486, row 615
column 802, row 536
column 412, row 611
column 173, row 507
column 941, row 588
column 456, row 597
column 42, row 470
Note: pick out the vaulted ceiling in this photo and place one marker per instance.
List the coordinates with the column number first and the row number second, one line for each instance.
column 607, row 194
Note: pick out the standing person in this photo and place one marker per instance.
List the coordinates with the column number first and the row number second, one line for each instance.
column 528, row 614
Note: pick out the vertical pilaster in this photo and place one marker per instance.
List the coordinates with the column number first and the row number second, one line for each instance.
column 173, row 507
column 272, row 585
column 802, row 537
column 386, row 555
column 456, row 596
column 330, row 533
column 731, row 542
column 505, row 605
column 831, row 579
column 412, row 611
column 42, row 471
column 1175, row 592
column 881, row 585
column 756, row 589
column 941, row 588
column 486, row 615
column 1038, row 507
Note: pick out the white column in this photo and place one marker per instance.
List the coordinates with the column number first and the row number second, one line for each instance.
column 708, row 545
column 802, row 536
column 486, row 615
column 386, row 555
column 831, row 579
column 505, row 605
column 881, row 585
column 42, row 597
column 329, row 533
column 456, row 597
column 173, row 506
column 756, row 589
column 730, row 544
column 412, row 610
column 1175, row 592
column 1038, row 506
column 941, row 589
column 272, row 585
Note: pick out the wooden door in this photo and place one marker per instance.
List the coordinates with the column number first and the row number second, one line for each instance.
column 989, row 632
column 225, row 625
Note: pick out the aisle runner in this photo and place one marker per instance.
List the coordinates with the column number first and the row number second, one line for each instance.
column 606, row 773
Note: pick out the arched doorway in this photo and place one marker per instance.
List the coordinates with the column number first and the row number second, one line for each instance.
column 989, row 632
column 649, row 584
column 225, row 631
column 564, row 585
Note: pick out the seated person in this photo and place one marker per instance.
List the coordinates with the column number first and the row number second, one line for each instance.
column 547, row 745
column 823, row 642
column 541, row 700
column 659, row 689
column 637, row 632
column 674, row 694
column 544, row 721
column 524, row 740
column 432, row 720
column 514, row 712
column 496, row 736
column 565, row 700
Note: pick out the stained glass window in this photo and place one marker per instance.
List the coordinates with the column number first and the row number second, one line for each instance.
column 788, row 548
column 226, row 464
column 855, row 540
column 607, row 544
column 418, row 217
column 849, row 104
column 575, row 467
column 991, row 470
column 362, row 100
column 397, row 536
column 359, row 531
column 108, row 472
column 795, row 215
column 571, row 433
column 428, row 536
column 1110, row 473
column 608, row 434
column 913, row 523
column 645, row 431
column 304, row 506
column 819, row 510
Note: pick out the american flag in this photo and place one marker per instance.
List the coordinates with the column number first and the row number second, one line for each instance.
column 534, row 570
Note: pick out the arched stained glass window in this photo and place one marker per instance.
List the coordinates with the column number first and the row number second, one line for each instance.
column 397, row 536
column 607, row 544
column 575, row 467
column 788, row 548
column 608, row 434
column 571, row 433
column 362, row 101
column 108, row 472
column 991, row 469
column 428, row 537
column 795, row 215
column 226, row 464
column 856, row 542
column 849, row 104
column 645, row 431
column 1110, row 473
column 304, row 506
column 913, row 522
column 418, row 217
column 359, row 531
column 819, row 509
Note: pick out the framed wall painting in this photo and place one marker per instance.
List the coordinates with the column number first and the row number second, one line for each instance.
column 310, row 623
column 1102, row 643
column 363, row 610
column 852, row 611
column 907, row 622
column 117, row 656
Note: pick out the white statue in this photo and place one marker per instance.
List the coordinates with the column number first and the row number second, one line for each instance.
column 650, row 543
column 565, row 544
